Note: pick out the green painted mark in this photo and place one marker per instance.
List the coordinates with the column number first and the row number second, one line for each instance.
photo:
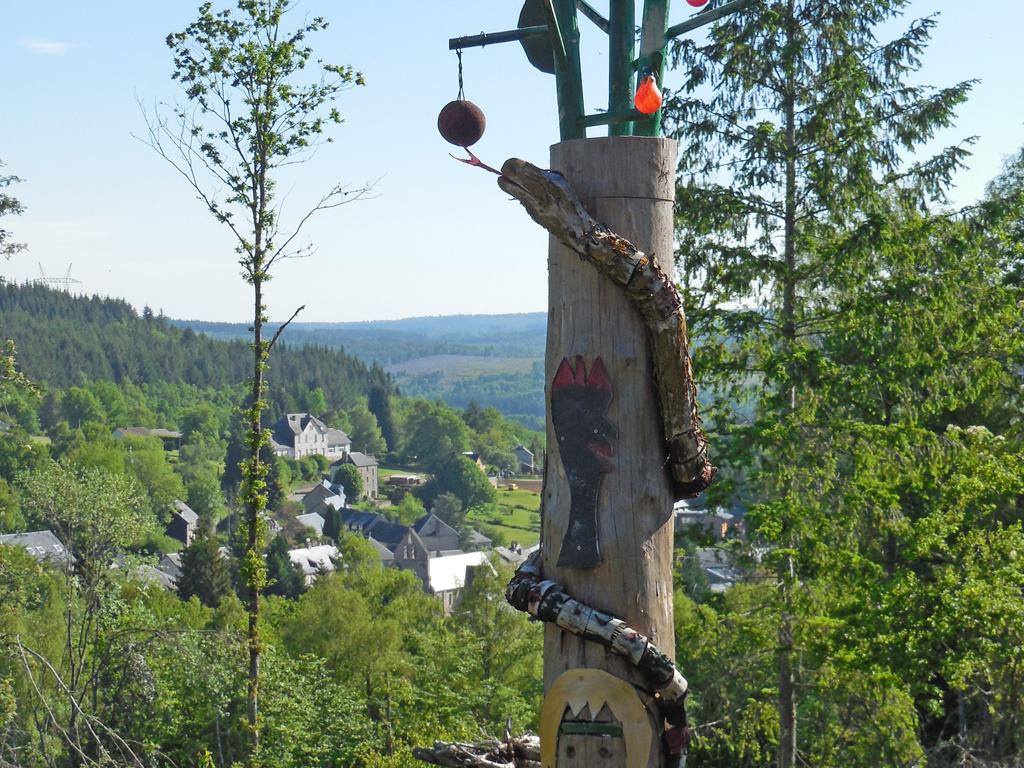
column 588, row 728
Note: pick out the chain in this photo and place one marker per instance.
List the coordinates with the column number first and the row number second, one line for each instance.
column 462, row 95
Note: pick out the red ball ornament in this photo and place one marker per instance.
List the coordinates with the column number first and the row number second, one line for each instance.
column 648, row 96
column 461, row 123
column 697, row 3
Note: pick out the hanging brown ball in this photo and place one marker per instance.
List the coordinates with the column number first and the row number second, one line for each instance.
column 461, row 123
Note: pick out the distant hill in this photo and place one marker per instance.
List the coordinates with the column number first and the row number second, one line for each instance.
column 494, row 360
column 63, row 339
column 394, row 341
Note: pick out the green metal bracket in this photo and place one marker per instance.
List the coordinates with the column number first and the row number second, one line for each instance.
column 490, row 38
column 591, row 13
column 612, row 119
column 561, row 32
column 705, row 17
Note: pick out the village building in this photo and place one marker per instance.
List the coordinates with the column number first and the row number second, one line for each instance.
column 313, row 521
column 325, row 496
column 367, row 467
column 716, row 522
column 297, row 435
column 170, row 438
column 184, row 524
column 314, row 561
column 42, row 545
column 525, row 458
column 426, row 548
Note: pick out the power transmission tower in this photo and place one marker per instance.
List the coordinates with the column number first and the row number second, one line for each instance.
column 57, row 283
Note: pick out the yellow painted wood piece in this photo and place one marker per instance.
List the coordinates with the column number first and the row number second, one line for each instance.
column 579, row 688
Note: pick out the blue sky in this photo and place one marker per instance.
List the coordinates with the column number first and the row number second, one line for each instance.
column 436, row 237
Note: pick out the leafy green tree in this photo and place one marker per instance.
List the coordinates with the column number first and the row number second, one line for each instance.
column 147, row 462
column 201, row 466
column 80, row 406
column 251, row 115
column 466, row 480
column 379, row 403
column 308, row 468
column 286, row 579
column 200, row 423
column 97, row 515
column 450, row 508
column 50, row 411
column 315, row 402
column 408, row 510
column 349, row 478
column 436, row 433
column 205, row 573
column 9, row 206
column 505, row 651
column 366, row 433
column 279, row 481
column 19, row 453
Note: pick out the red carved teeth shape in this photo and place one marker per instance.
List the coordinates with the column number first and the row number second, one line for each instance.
column 575, row 375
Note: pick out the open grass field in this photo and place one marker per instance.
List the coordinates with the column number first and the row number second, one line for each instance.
column 516, row 514
column 452, row 367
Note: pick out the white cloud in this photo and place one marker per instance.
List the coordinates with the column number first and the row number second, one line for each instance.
column 46, row 47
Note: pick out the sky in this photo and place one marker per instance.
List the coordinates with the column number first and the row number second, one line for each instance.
column 435, row 237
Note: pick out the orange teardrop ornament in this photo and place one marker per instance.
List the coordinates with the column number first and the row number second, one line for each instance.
column 648, row 96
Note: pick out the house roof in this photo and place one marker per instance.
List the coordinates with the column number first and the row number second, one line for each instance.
column 524, row 450
column 312, row 520
column 718, row 568
column 385, row 554
column 477, row 539
column 146, row 432
column 171, row 565
column 185, row 512
column 147, row 574
column 387, row 533
column 326, row 493
column 509, row 555
column 433, row 526
column 288, row 426
column 42, row 545
column 313, row 560
column 435, row 533
column 361, row 459
column 372, row 524
column 447, row 573
column 337, row 439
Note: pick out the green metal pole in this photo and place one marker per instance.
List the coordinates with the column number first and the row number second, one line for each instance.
column 621, row 32
column 568, row 79
column 652, row 51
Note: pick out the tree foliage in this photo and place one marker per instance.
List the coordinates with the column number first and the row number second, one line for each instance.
column 251, row 113
column 842, row 321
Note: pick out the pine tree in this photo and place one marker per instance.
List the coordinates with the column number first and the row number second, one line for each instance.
column 788, row 169
column 284, row 577
column 205, row 573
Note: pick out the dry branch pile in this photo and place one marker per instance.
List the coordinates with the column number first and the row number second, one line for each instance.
column 521, row 752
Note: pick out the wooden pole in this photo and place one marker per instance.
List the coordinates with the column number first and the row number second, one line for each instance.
column 626, row 183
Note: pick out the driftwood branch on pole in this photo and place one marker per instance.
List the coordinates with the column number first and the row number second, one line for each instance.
column 520, row 752
column 552, row 203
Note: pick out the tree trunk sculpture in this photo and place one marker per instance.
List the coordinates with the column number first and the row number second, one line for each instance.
column 553, row 204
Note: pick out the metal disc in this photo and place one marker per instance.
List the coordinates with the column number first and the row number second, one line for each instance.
column 538, row 49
